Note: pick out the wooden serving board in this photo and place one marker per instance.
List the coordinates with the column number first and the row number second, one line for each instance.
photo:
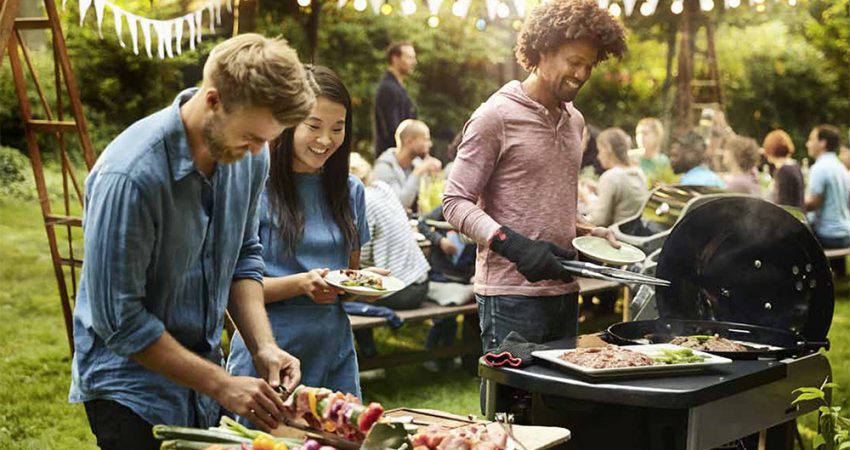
column 531, row 437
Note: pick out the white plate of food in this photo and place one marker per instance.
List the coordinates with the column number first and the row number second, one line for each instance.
column 600, row 249
column 616, row 361
column 363, row 282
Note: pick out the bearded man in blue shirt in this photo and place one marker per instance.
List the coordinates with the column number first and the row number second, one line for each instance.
column 171, row 242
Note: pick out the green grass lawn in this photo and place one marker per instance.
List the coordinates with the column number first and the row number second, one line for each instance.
column 35, row 375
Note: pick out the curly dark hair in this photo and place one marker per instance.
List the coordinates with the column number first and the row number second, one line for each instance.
column 553, row 23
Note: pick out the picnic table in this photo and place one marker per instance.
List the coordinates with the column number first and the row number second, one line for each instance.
column 469, row 347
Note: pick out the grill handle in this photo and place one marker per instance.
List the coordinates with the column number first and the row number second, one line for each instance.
column 813, row 346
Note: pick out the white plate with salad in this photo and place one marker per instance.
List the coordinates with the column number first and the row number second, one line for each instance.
column 363, row 282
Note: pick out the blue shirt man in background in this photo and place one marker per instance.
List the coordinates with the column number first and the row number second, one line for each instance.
column 828, row 190
column 687, row 157
column 171, row 242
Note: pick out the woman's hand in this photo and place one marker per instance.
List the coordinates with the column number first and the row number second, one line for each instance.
column 313, row 285
column 606, row 233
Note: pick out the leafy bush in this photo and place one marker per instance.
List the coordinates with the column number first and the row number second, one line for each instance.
column 834, row 429
column 15, row 175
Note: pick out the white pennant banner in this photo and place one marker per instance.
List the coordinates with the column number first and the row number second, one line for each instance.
column 169, row 33
column 376, row 6
column 630, row 6
column 434, row 6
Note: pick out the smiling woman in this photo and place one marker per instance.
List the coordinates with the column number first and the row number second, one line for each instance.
column 312, row 221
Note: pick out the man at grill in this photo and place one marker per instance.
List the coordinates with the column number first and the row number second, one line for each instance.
column 514, row 183
column 171, row 241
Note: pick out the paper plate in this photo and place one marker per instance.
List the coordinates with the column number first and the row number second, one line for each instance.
column 601, row 250
column 335, row 278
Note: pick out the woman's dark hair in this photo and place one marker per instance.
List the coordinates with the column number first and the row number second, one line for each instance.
column 283, row 196
column 552, row 24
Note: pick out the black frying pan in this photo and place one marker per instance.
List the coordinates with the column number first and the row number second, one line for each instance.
column 660, row 331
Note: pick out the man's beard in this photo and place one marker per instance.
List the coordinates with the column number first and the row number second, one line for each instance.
column 215, row 142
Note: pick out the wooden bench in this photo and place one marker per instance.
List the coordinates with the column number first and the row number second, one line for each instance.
column 838, row 254
column 469, row 347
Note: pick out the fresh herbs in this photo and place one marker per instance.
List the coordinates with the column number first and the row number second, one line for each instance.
column 678, row 356
column 834, row 428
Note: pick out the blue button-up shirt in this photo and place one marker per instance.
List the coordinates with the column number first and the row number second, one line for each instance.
column 163, row 243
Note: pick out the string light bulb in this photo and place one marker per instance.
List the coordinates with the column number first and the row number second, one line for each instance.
column 481, row 24
column 503, row 10
column 386, row 9
column 460, row 7
column 615, row 10
column 677, row 7
column 646, row 9
column 706, row 5
column 360, row 5
column 303, row 3
column 433, row 21
column 408, row 7
column 792, row 2
column 734, row 3
column 517, row 25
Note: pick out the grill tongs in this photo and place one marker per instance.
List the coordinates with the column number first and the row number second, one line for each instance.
column 590, row 270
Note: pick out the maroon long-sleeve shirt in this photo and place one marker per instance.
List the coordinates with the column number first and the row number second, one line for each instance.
column 516, row 167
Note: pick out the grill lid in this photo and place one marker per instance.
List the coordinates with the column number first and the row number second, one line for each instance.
column 745, row 260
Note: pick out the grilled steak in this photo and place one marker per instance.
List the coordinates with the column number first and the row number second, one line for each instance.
column 708, row 343
column 607, row 357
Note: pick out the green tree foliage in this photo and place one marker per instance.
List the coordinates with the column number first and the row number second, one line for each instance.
column 456, row 71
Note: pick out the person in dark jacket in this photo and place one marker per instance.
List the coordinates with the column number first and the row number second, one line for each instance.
column 392, row 103
column 788, row 185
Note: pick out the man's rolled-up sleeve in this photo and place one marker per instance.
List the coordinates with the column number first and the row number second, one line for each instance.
column 250, row 264
column 119, row 239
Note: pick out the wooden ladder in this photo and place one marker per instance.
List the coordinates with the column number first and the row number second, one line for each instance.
column 52, row 122
column 697, row 86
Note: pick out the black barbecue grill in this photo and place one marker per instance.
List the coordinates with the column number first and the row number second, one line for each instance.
column 740, row 268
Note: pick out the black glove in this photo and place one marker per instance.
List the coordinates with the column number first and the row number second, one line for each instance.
column 536, row 260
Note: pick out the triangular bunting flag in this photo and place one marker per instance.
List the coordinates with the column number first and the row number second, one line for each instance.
column 211, row 10
column 178, row 33
column 146, row 32
column 190, row 19
column 630, row 6
column 376, row 6
column 134, row 32
column 118, row 19
column 199, row 25
column 98, row 12
column 341, row 3
column 434, row 6
column 84, row 7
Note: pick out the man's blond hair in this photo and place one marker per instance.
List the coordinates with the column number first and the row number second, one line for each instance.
column 253, row 71
column 653, row 123
column 409, row 128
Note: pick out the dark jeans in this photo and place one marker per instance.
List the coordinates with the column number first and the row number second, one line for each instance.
column 832, row 242
column 537, row 319
column 117, row 427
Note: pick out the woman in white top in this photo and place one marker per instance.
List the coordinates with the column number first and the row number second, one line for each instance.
column 622, row 187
